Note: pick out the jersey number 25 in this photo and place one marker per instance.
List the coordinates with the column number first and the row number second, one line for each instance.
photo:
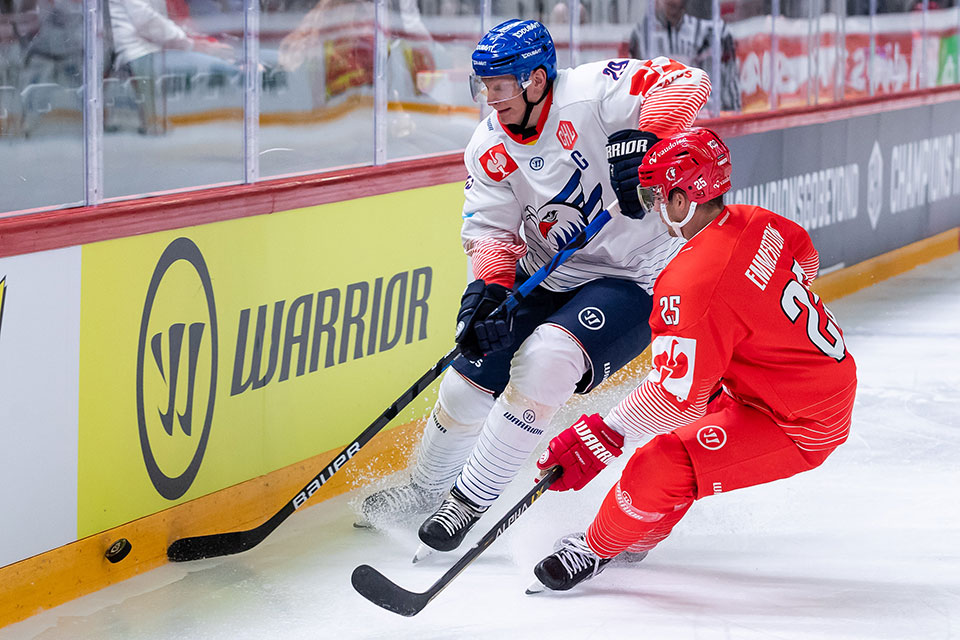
column 796, row 297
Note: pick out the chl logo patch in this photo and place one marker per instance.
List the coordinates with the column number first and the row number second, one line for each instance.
column 566, row 134
column 592, row 318
column 497, row 162
column 711, row 437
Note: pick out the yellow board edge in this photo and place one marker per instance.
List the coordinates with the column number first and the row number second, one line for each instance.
column 73, row 570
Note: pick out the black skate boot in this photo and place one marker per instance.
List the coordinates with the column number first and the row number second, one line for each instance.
column 392, row 505
column 625, row 557
column 564, row 569
column 445, row 529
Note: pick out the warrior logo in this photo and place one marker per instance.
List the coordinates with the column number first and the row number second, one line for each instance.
column 176, row 380
column 497, row 162
column 567, row 213
column 592, row 318
column 712, row 438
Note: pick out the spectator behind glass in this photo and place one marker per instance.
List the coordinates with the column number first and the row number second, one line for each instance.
column 149, row 44
column 143, row 28
column 688, row 39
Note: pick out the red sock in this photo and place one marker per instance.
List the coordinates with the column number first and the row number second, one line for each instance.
column 656, row 489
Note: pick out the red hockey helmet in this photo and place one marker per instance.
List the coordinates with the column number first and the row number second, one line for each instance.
column 695, row 160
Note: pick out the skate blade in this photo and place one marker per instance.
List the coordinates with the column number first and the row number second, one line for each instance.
column 362, row 524
column 423, row 552
column 535, row 587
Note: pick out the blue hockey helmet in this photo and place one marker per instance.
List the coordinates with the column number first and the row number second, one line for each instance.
column 513, row 48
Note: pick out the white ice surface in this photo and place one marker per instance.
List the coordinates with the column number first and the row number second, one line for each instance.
column 865, row 547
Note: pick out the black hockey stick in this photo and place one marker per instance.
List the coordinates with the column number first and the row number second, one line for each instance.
column 379, row 590
column 224, row 544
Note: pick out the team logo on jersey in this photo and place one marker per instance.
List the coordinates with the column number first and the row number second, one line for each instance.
column 536, row 163
column 712, row 437
column 564, row 216
column 673, row 360
column 497, row 162
column 592, row 318
column 566, row 134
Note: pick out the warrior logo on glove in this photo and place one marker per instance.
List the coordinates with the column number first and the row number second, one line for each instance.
column 625, row 152
column 583, row 450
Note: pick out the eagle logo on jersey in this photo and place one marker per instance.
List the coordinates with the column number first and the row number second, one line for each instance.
column 567, row 213
column 673, row 360
column 497, row 162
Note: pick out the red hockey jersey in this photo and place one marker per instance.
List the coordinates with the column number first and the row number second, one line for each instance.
column 733, row 308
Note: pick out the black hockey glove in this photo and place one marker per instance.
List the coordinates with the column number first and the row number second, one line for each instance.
column 625, row 151
column 477, row 334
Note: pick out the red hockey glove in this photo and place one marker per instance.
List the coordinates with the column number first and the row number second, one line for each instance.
column 583, row 450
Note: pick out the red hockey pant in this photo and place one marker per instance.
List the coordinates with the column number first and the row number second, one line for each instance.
column 731, row 447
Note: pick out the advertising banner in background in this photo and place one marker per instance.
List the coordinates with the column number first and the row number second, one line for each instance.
column 39, row 346
column 808, row 60
column 861, row 187
column 214, row 354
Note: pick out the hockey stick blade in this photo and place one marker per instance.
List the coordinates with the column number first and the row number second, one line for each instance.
column 223, row 544
column 379, row 590
column 211, row 546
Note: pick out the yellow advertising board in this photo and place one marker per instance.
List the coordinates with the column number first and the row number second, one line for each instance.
column 214, row 354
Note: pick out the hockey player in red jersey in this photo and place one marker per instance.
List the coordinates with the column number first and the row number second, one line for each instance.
column 751, row 379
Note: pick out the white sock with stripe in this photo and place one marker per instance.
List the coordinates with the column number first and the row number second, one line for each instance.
column 510, row 434
column 451, row 432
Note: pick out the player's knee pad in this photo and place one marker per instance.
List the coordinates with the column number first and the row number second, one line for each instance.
column 547, row 366
column 462, row 405
column 659, row 478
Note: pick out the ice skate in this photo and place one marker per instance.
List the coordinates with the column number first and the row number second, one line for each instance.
column 562, row 570
column 396, row 503
column 625, row 557
column 445, row 529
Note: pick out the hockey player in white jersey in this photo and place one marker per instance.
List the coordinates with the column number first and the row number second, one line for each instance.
column 538, row 173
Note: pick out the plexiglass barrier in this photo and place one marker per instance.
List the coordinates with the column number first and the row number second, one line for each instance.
column 198, row 93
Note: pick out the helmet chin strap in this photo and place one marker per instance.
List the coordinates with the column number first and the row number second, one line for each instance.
column 524, row 130
column 677, row 226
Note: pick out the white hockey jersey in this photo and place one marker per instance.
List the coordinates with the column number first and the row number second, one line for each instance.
column 526, row 200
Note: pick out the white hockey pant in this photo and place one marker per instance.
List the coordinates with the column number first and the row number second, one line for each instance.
column 543, row 375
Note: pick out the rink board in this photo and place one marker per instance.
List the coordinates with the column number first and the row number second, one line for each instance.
column 39, row 347
column 292, row 332
column 152, row 456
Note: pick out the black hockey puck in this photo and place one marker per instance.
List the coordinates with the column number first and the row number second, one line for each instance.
column 118, row 550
